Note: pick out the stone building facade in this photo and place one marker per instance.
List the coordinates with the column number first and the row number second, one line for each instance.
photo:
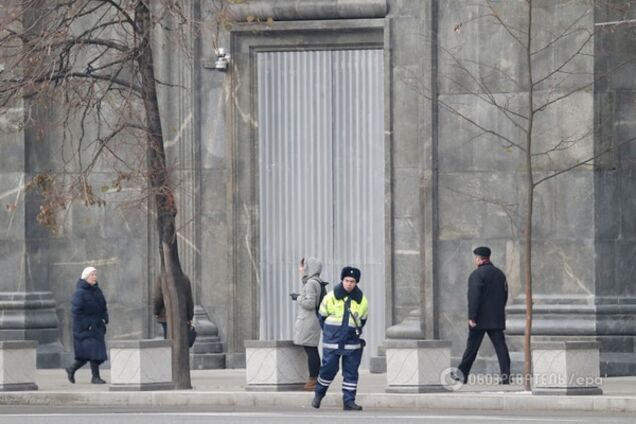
column 449, row 178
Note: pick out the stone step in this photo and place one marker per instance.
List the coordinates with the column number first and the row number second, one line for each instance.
column 207, row 361
column 207, row 347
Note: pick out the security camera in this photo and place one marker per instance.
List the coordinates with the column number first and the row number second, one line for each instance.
column 222, row 60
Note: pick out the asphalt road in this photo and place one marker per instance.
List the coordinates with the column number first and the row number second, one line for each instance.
column 83, row 415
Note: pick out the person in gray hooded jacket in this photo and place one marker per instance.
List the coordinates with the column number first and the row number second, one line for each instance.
column 307, row 328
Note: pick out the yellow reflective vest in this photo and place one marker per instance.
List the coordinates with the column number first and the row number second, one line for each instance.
column 342, row 317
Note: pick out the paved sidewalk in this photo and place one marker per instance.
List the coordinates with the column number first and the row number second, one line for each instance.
column 227, row 388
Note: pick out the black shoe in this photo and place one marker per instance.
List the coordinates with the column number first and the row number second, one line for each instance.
column 97, row 380
column 316, row 402
column 352, row 406
column 70, row 374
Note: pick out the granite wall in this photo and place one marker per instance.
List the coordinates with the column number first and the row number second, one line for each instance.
column 454, row 178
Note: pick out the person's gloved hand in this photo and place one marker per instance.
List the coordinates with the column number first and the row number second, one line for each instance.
column 294, row 296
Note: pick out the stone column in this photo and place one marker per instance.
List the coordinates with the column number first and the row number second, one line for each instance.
column 413, row 164
column 27, row 306
column 182, row 111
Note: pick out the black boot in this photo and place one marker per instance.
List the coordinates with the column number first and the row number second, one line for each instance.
column 95, row 371
column 316, row 401
column 70, row 371
column 352, row 406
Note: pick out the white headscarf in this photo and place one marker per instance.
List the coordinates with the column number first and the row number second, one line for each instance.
column 87, row 272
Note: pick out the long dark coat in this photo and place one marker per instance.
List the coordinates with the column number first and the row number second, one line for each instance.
column 90, row 316
column 487, row 296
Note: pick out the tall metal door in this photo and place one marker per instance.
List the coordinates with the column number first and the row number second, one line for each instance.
column 321, row 161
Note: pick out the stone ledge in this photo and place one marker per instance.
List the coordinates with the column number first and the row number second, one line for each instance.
column 141, row 387
column 564, row 345
column 18, row 344
column 417, row 344
column 574, row 391
column 139, row 344
column 460, row 401
column 18, row 387
column 285, row 10
column 274, row 387
column 250, row 344
column 416, row 389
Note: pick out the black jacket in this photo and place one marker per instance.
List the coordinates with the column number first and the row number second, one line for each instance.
column 90, row 316
column 487, row 296
column 158, row 306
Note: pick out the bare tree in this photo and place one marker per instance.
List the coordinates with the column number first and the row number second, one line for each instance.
column 554, row 67
column 84, row 69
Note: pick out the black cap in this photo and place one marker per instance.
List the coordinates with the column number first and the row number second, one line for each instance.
column 482, row 251
column 350, row 271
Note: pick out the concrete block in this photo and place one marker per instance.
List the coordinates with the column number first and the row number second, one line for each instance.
column 275, row 365
column 566, row 368
column 17, row 365
column 416, row 366
column 141, row 365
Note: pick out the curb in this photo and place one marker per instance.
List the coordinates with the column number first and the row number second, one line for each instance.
column 433, row 401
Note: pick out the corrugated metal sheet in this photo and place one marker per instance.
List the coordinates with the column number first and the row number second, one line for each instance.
column 321, row 158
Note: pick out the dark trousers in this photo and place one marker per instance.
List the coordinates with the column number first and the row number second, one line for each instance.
column 472, row 346
column 329, row 369
column 79, row 363
column 313, row 360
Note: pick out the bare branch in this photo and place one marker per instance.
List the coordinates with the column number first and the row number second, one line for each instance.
column 125, row 14
column 564, row 34
column 566, row 62
column 508, row 140
column 87, row 75
column 557, row 99
column 582, row 163
column 506, row 27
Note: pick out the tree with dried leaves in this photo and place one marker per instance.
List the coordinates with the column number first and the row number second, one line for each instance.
column 83, row 73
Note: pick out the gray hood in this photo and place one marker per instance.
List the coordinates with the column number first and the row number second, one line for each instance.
column 313, row 267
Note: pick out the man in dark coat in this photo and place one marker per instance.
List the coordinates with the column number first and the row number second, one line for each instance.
column 159, row 307
column 487, row 296
column 90, row 316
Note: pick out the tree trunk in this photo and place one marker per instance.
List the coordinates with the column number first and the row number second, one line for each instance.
column 173, row 288
column 527, row 334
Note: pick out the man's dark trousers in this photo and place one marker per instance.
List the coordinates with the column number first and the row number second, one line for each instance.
column 472, row 347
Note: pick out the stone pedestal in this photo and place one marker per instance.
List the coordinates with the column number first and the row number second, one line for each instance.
column 275, row 365
column 377, row 364
column 141, row 365
column 32, row 316
column 17, row 365
column 409, row 329
column 566, row 368
column 416, row 366
column 207, row 352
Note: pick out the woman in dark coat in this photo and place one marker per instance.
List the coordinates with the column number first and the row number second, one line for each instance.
column 90, row 317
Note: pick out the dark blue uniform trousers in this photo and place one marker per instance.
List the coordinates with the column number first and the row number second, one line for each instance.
column 330, row 363
column 472, row 346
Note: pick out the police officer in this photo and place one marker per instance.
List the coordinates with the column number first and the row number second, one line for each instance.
column 487, row 296
column 343, row 313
